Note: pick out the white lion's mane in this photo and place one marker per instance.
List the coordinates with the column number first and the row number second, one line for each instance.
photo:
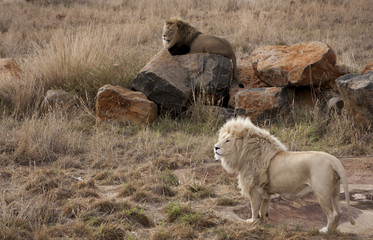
column 255, row 149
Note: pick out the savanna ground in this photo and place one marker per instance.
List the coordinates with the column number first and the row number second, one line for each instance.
column 64, row 177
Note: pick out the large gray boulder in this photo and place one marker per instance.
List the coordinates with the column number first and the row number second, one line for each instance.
column 207, row 73
column 357, row 93
column 170, row 81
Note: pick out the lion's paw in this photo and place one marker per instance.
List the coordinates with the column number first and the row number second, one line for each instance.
column 323, row 230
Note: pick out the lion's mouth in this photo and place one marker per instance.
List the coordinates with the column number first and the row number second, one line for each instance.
column 217, row 156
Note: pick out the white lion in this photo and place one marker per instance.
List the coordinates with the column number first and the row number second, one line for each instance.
column 265, row 167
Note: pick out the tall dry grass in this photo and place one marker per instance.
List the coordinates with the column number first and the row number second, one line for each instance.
column 45, row 140
column 79, row 62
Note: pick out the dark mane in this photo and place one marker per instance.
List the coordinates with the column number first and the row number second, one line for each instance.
column 183, row 47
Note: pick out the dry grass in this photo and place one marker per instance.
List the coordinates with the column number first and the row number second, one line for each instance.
column 64, row 177
column 313, row 129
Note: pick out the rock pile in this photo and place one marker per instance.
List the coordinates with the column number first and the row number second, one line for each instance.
column 276, row 79
column 295, row 76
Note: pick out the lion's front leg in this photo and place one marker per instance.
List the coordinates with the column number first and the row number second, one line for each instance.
column 264, row 207
column 256, row 201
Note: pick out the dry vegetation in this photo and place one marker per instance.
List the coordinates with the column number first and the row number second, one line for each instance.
column 61, row 176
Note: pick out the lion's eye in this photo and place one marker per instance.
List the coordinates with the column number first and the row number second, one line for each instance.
column 227, row 140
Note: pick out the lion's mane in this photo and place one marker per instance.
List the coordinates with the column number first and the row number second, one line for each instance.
column 186, row 34
column 255, row 148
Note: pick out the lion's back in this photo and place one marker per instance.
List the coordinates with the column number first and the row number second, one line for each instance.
column 211, row 44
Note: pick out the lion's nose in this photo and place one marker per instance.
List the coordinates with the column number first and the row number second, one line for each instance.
column 217, row 148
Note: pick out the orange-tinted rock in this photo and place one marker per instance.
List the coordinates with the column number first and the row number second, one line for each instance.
column 302, row 64
column 368, row 68
column 9, row 68
column 261, row 103
column 117, row 103
column 247, row 79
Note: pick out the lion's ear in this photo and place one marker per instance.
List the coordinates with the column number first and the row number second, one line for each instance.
column 242, row 134
column 179, row 24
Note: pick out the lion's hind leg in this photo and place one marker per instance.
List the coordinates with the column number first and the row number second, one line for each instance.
column 325, row 194
column 327, row 207
column 336, row 208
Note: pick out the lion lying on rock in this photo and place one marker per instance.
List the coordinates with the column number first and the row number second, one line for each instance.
column 265, row 167
column 181, row 38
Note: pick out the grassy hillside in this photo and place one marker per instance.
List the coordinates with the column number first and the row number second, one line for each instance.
column 62, row 176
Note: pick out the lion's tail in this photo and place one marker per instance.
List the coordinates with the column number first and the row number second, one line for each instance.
column 338, row 167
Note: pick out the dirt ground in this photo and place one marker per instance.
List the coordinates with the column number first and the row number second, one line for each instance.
column 304, row 214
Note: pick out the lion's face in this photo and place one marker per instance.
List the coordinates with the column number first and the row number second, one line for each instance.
column 225, row 150
column 169, row 34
